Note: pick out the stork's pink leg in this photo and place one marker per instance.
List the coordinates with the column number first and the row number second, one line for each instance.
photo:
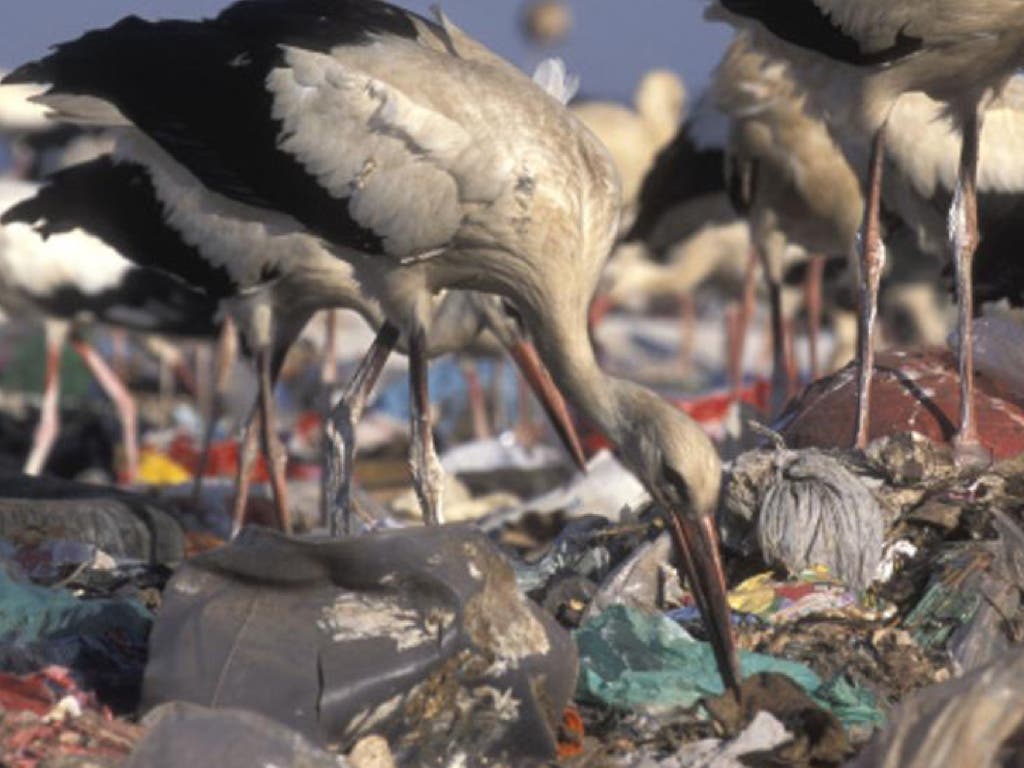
column 185, row 375
column 812, row 302
column 48, row 428
column 477, row 400
column 746, row 312
column 227, row 351
column 872, row 262
column 780, row 379
column 246, row 458
column 792, row 369
column 273, row 450
column 687, row 332
column 123, row 402
column 964, row 227
column 119, row 352
column 340, row 436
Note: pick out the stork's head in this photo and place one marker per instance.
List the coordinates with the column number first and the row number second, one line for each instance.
column 669, row 452
column 661, row 99
column 680, row 468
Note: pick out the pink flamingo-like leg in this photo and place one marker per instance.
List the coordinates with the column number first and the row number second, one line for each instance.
column 812, row 302
column 872, row 262
column 123, row 401
column 48, row 428
column 964, row 226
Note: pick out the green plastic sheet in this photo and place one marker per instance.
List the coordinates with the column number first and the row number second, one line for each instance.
column 632, row 660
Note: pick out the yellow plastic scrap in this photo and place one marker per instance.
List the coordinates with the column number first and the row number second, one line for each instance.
column 755, row 595
column 158, row 469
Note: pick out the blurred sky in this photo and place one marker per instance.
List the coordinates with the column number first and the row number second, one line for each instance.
column 612, row 43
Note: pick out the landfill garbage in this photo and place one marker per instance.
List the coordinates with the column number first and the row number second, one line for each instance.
column 416, row 635
column 122, row 524
column 807, row 509
column 640, row 581
column 101, row 641
column 973, row 720
column 633, row 660
column 915, row 391
column 449, row 392
column 576, row 550
column 504, row 464
column 606, row 489
column 46, row 720
column 371, row 752
column 460, row 504
column 812, row 592
column 182, row 735
column 965, row 606
column 817, row 736
column 49, row 561
column 159, row 469
column 764, row 734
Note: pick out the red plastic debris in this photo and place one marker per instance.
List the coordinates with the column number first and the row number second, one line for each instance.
column 222, row 461
column 708, row 410
column 570, row 734
column 36, row 728
column 26, row 694
column 911, row 392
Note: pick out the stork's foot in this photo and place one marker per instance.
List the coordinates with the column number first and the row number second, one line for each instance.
column 340, row 433
column 427, row 475
column 970, row 454
column 339, row 452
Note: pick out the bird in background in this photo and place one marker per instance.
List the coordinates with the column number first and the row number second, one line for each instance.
column 788, row 176
column 634, row 137
column 69, row 273
column 855, row 59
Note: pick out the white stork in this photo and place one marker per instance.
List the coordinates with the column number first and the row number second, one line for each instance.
column 786, row 172
column 425, row 162
column 857, row 57
column 71, row 271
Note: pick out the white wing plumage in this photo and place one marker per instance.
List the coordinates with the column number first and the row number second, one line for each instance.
column 406, row 169
column 922, row 140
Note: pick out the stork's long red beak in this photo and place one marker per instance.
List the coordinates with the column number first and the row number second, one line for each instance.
column 697, row 542
column 536, row 375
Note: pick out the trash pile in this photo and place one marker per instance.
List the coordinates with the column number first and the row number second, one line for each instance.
column 876, row 600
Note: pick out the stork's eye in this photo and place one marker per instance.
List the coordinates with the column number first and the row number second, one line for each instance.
column 675, row 484
column 513, row 314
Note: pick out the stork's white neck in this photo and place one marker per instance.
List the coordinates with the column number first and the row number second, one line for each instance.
column 564, row 344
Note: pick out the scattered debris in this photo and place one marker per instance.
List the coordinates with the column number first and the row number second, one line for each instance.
column 807, row 509
column 646, row 662
column 416, row 635
column 122, row 524
column 181, row 735
column 974, row 720
column 101, row 641
column 45, row 719
column 911, row 392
